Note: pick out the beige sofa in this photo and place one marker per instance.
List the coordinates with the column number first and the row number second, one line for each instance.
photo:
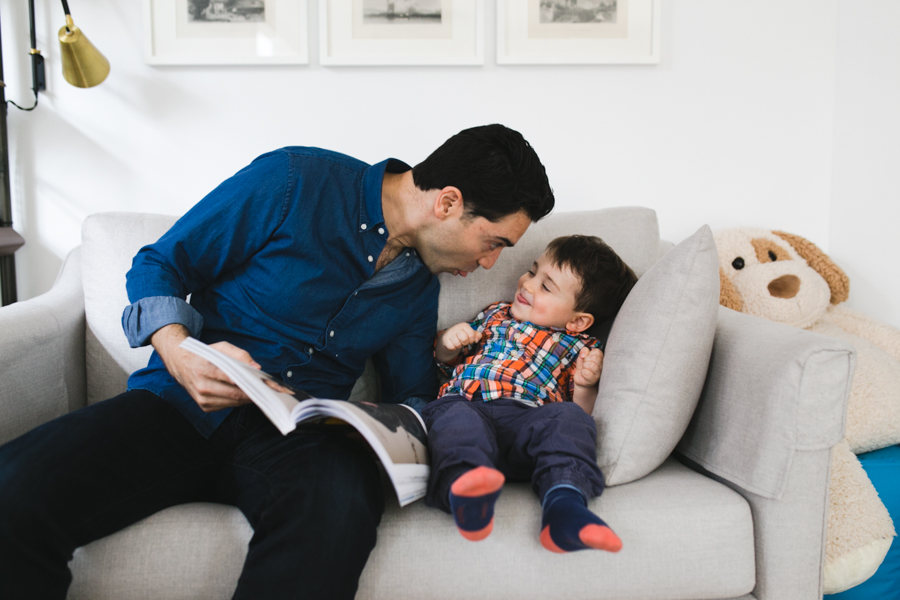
column 745, row 520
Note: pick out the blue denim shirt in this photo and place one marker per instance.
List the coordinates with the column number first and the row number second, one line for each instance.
column 280, row 260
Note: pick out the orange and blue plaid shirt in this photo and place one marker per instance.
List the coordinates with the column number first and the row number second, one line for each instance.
column 515, row 359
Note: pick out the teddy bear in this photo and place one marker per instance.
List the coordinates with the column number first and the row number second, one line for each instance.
column 788, row 279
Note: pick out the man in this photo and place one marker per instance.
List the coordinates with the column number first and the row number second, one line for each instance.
column 304, row 264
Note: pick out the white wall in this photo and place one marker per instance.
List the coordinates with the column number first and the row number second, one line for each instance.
column 866, row 201
column 735, row 127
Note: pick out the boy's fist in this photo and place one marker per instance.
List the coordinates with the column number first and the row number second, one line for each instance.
column 588, row 366
column 459, row 335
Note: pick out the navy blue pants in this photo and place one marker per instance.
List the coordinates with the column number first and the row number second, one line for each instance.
column 550, row 445
column 313, row 497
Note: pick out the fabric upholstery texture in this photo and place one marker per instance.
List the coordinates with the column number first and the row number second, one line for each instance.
column 802, row 381
column 656, row 360
column 187, row 551
column 684, row 536
column 109, row 242
column 42, row 345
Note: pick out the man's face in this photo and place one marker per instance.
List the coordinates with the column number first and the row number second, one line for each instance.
column 461, row 244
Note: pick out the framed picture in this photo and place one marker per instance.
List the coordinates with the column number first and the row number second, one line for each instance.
column 225, row 32
column 578, row 31
column 401, row 32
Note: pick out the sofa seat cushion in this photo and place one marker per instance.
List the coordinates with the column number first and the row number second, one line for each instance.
column 184, row 552
column 685, row 536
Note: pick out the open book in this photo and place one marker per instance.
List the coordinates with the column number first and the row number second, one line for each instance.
column 394, row 431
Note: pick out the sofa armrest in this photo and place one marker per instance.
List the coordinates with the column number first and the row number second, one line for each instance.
column 772, row 408
column 42, row 354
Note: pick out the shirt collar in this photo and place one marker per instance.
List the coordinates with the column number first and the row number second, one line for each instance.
column 370, row 211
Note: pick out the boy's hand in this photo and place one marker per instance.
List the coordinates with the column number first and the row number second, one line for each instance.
column 459, row 335
column 588, row 366
column 453, row 339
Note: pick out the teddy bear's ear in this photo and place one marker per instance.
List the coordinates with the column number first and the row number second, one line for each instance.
column 837, row 280
column 728, row 296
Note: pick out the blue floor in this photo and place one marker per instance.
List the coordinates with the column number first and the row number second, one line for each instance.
column 883, row 468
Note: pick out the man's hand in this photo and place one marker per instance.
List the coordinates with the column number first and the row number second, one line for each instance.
column 588, row 366
column 453, row 339
column 210, row 388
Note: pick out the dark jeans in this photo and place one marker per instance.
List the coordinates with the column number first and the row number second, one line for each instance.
column 313, row 497
column 550, row 445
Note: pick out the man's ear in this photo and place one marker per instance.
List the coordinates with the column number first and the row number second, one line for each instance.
column 448, row 202
column 580, row 322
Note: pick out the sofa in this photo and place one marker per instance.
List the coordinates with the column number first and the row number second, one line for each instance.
column 734, row 509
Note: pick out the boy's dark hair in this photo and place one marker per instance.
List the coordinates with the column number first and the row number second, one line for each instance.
column 496, row 170
column 605, row 278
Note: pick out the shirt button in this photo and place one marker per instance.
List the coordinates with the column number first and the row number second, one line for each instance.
column 311, row 350
column 331, row 334
column 363, row 226
column 290, row 373
column 371, row 259
column 381, row 230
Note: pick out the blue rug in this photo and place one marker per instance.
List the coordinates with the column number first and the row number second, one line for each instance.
column 883, row 468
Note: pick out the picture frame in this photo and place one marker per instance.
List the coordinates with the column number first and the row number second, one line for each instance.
column 578, row 32
column 225, row 32
column 379, row 32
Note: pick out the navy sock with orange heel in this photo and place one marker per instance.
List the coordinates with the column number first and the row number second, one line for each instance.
column 472, row 498
column 567, row 524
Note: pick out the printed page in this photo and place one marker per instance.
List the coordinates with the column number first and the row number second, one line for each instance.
column 396, row 433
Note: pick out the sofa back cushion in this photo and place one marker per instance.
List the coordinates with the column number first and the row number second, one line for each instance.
column 632, row 232
column 111, row 240
column 109, row 243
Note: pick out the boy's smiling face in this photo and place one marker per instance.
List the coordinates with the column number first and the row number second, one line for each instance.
column 546, row 296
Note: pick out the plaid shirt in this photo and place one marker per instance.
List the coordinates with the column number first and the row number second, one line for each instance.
column 515, row 359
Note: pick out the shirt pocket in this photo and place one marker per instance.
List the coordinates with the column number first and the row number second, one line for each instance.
column 293, row 371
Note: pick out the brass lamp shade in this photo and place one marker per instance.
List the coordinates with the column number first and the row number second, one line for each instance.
column 82, row 64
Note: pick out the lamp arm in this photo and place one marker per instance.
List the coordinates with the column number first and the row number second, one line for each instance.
column 68, row 15
column 38, row 81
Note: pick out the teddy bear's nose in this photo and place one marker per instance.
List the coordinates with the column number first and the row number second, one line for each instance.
column 785, row 286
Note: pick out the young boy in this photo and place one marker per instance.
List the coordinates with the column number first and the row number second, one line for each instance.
column 520, row 398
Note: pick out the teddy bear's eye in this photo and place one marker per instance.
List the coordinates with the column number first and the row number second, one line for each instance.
column 738, row 263
column 772, row 256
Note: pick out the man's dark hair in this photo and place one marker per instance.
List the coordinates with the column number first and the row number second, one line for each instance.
column 605, row 278
column 496, row 170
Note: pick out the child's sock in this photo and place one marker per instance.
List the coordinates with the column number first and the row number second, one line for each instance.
column 472, row 498
column 567, row 524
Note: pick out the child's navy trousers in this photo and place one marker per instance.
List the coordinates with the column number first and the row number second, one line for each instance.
column 550, row 445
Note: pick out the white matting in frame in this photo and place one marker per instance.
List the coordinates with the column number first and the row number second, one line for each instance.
column 582, row 32
column 398, row 32
column 225, row 32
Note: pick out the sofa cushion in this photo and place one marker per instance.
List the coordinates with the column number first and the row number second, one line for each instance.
column 187, row 551
column 109, row 241
column 656, row 360
column 684, row 535
column 631, row 231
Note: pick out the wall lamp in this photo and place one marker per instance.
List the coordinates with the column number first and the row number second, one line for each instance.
column 83, row 66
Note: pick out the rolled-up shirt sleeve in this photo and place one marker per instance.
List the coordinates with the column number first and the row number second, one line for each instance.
column 145, row 317
column 216, row 236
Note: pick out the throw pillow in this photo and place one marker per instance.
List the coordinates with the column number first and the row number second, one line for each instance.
column 656, row 360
